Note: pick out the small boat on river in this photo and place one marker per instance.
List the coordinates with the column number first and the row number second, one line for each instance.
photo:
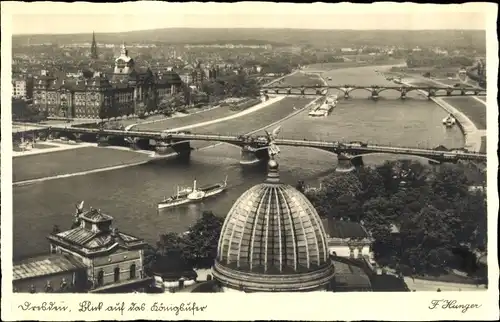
column 449, row 121
column 192, row 194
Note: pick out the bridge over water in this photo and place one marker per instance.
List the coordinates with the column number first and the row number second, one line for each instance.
column 374, row 90
column 253, row 148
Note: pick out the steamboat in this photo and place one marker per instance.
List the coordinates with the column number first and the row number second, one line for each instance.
column 192, row 194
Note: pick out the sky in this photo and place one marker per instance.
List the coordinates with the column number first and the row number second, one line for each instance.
column 47, row 18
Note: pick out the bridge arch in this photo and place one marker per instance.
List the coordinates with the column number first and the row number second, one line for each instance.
column 397, row 156
column 368, row 89
column 383, row 89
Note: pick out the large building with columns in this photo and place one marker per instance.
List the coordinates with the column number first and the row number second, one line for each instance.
column 127, row 90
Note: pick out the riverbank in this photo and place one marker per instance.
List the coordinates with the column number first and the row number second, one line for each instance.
column 325, row 67
column 255, row 108
column 50, row 147
column 89, row 159
column 473, row 136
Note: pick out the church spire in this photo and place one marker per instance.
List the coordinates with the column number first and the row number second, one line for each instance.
column 93, row 48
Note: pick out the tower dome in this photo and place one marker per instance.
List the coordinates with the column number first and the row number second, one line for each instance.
column 273, row 240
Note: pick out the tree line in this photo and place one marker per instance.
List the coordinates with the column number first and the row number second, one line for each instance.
column 439, row 61
column 197, row 248
column 423, row 219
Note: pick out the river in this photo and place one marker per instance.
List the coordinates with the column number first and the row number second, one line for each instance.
column 130, row 194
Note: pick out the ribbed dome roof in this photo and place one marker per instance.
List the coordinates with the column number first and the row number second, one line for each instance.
column 273, row 240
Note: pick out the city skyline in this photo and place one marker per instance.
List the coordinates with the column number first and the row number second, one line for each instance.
column 82, row 19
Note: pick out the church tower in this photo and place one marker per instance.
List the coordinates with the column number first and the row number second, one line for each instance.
column 93, row 48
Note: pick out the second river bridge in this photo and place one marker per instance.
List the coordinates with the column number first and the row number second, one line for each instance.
column 254, row 148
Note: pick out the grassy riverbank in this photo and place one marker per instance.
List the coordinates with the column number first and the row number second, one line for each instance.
column 351, row 64
column 91, row 158
column 471, row 107
column 257, row 119
column 71, row 161
column 301, row 79
column 189, row 119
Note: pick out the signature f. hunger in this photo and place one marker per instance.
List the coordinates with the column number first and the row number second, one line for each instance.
column 452, row 304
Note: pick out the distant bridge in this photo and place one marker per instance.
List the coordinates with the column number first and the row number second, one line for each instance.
column 253, row 148
column 375, row 91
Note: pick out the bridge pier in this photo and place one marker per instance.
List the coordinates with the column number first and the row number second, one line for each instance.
column 346, row 95
column 248, row 155
column 344, row 163
column 403, row 93
column 78, row 138
column 102, row 140
column 183, row 149
column 374, row 95
column 357, row 161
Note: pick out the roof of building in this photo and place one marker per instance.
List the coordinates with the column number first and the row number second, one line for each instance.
column 169, row 77
column 102, row 239
column 45, row 265
column 85, row 238
column 344, row 229
column 95, row 215
column 273, row 230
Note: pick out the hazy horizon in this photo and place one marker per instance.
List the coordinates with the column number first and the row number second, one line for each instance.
column 77, row 18
column 241, row 28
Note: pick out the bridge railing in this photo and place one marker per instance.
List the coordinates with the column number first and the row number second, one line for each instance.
column 263, row 140
column 433, row 87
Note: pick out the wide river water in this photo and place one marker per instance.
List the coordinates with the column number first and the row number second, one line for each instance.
column 130, row 194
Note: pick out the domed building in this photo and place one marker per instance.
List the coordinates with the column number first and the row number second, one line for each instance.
column 273, row 240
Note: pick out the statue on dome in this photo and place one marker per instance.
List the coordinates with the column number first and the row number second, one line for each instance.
column 273, row 149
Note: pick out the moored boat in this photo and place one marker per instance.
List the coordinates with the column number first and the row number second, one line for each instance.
column 193, row 194
column 449, row 121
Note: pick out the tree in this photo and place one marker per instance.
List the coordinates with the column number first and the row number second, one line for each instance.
column 450, row 183
column 429, row 230
column 300, row 186
column 372, row 183
column 202, row 240
column 336, row 187
column 169, row 248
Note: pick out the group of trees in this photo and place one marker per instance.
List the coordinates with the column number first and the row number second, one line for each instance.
column 237, row 85
column 195, row 249
column 419, row 216
column 22, row 112
column 427, row 59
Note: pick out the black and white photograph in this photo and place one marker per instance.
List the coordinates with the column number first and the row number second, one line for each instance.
column 217, row 148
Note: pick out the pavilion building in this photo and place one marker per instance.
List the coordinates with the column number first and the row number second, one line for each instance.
column 93, row 256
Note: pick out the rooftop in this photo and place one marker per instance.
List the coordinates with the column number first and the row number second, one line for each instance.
column 45, row 265
column 95, row 215
column 88, row 239
column 344, row 229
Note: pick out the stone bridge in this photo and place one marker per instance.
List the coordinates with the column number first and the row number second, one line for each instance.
column 253, row 148
column 374, row 91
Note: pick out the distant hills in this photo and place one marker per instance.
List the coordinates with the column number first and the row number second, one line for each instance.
column 316, row 38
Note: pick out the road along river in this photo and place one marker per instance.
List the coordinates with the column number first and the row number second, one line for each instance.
column 130, row 194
